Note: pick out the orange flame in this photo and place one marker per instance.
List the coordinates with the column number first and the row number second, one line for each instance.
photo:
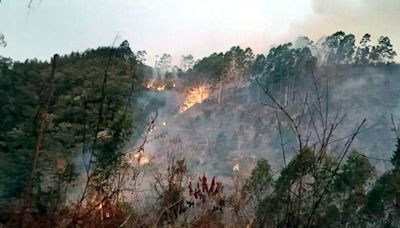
column 149, row 84
column 159, row 86
column 144, row 160
column 196, row 95
column 140, row 157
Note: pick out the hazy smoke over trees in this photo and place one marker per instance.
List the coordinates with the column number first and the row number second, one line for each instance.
column 303, row 135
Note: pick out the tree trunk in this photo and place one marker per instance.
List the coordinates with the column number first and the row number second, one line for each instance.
column 42, row 119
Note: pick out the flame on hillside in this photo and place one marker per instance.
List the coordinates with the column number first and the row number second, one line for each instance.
column 137, row 158
column 149, row 84
column 196, row 95
column 141, row 158
column 159, row 86
column 236, row 168
column 144, row 160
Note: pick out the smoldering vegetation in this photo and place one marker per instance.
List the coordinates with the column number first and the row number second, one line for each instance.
column 304, row 136
column 237, row 120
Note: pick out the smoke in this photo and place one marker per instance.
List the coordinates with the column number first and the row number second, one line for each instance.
column 356, row 16
column 215, row 136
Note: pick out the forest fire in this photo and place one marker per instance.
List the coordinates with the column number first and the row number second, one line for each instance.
column 159, row 86
column 196, row 95
column 149, row 84
column 142, row 159
column 236, row 168
column 299, row 132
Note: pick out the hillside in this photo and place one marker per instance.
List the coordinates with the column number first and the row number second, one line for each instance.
column 248, row 128
column 299, row 137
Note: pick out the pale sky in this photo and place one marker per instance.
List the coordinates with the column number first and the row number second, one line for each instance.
column 177, row 27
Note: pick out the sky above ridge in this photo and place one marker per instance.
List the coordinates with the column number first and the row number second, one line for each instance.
column 178, row 27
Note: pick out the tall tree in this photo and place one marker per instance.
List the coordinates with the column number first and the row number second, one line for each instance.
column 260, row 181
column 383, row 52
column 383, row 200
column 340, row 47
column 163, row 65
column 362, row 54
column 42, row 123
column 350, row 186
column 187, row 62
column 396, row 155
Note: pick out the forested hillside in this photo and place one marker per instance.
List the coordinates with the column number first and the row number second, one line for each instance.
column 304, row 136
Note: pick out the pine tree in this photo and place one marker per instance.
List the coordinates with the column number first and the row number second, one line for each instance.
column 363, row 51
column 383, row 52
column 395, row 160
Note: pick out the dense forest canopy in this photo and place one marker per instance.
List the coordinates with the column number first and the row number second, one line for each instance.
column 76, row 133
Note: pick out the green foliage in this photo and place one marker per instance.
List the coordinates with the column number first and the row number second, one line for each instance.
column 279, row 63
column 350, row 185
column 19, row 100
column 383, row 52
column 340, row 47
column 286, row 68
column 94, row 108
column 303, row 181
column 258, row 65
column 233, row 65
column 383, row 199
column 396, row 155
column 260, row 180
column 354, row 173
column 91, row 111
column 187, row 62
column 273, row 208
column 362, row 53
column 299, row 166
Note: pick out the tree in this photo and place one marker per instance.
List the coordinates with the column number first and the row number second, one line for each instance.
column 260, row 180
column 86, row 117
column 354, row 173
column 19, row 100
column 303, row 191
column 383, row 52
column 163, row 65
column 280, row 207
column 383, row 200
column 258, row 65
column 340, row 47
column 240, row 61
column 42, row 124
column 286, row 67
column 396, row 155
column 302, row 42
column 362, row 55
column 187, row 62
column 278, row 70
column 350, row 185
column 141, row 56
